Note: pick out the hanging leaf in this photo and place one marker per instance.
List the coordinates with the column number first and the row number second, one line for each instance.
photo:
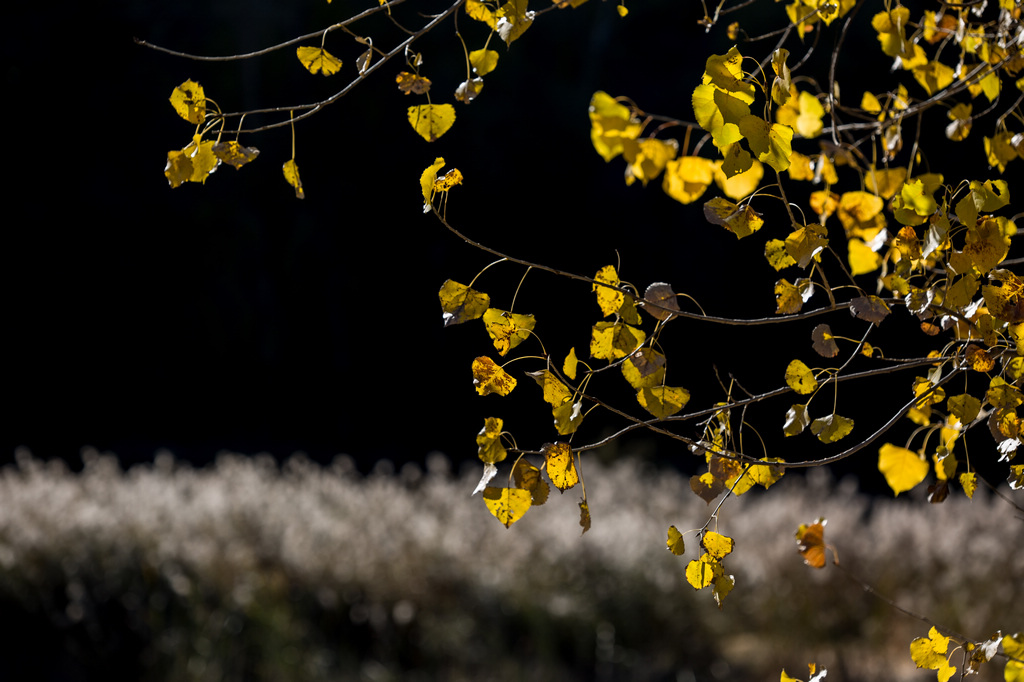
column 614, row 340
column 318, row 60
column 663, row 401
column 800, row 378
column 644, row 368
column 766, row 475
column 869, row 308
column 810, row 542
column 507, row 330
column 555, row 392
column 460, row 303
column 488, row 441
column 507, row 504
column 831, row 428
column 235, row 154
column 742, row 222
column 567, row 416
column 701, row 572
column 930, row 652
column 796, row 420
column 412, row 84
column 964, row 407
column 490, row 378
column 609, row 298
column 527, row 477
column 902, row 468
column 483, row 61
column 569, row 366
column 291, row 176
column 431, row 121
column 717, row 545
column 660, row 301
column 675, row 542
column 823, row 341
column 513, row 20
column 558, row 461
column 707, row 487
column 189, row 100
column 584, row 516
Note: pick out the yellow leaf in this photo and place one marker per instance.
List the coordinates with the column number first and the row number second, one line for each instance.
column 235, row 154
column 902, row 468
column 488, row 441
column 507, row 330
column 610, row 124
column 885, row 182
column 490, row 378
column 481, row 12
column 1013, row 646
column 448, row 180
column 567, row 417
column 725, row 72
column 483, row 61
column 810, row 542
column 789, row 298
column 742, row 222
column 649, row 158
column 1000, row 150
column 460, row 303
column 622, row 10
column 687, row 177
column 614, row 340
column 527, row 477
column 569, row 366
column 644, row 368
column 189, row 100
column 766, row 475
column 717, row 545
column 861, row 258
column 318, row 60
column 805, row 243
column 291, row 176
column 555, row 392
column 831, row 428
column 427, row 179
column 663, row 401
column 969, row 482
column 609, row 298
column 930, row 651
column 507, row 504
column 771, row 143
column 675, row 542
column 431, row 121
column 778, row 257
column 558, row 461
column 701, row 572
column 964, row 407
column 796, row 420
column 933, row 76
column 741, row 184
column 513, row 20
column 800, row 378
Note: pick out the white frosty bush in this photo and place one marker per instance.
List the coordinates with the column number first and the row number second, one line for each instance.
column 247, row 570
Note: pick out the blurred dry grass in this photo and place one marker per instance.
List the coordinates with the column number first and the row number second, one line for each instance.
column 248, row 571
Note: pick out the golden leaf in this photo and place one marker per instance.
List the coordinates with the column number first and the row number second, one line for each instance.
column 687, row 177
column 431, row 121
column 614, row 340
column 489, row 447
column 507, row 330
column 831, row 428
column 483, row 61
column 902, row 468
column 427, row 179
column 507, row 504
column 189, row 100
column 766, row 475
column 555, row 392
column 800, row 378
column 701, row 572
column 610, row 124
column 490, row 378
column 663, row 401
column 558, row 461
column 460, row 303
column 717, row 545
column 235, row 154
column 569, row 366
column 291, row 176
column 644, row 368
column 318, row 60
column 741, row 222
column 675, row 542
column 609, row 298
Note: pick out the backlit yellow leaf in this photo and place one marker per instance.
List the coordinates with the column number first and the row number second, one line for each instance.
column 777, row 255
column 741, row 184
column 675, row 542
column 558, row 462
column 1013, row 645
column 569, row 366
column 701, row 572
column 644, row 368
column 969, row 482
column 483, row 61
column 647, row 158
column 234, row 153
column 527, row 477
column 507, row 330
column 427, row 179
column 930, row 652
column 291, row 176
column 460, row 303
column 555, row 392
column 412, row 84
column 717, row 545
column 771, row 143
column 831, row 428
column 766, row 475
column 609, row 298
column 885, row 182
column 742, row 222
column 490, row 378
column 687, row 177
column 610, row 124
column 189, row 100
column 488, row 441
column 513, row 20
column 805, row 243
column 800, row 378
column 318, row 60
column 431, row 121
column 902, row 468
column 933, row 76
column 663, row 401
column 790, row 298
column 481, row 12
column 964, row 407
column 614, row 340
column 567, row 416
column 507, row 504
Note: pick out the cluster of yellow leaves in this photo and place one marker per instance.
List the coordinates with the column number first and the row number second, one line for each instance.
column 708, row 570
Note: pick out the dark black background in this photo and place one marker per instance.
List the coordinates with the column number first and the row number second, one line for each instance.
column 233, row 316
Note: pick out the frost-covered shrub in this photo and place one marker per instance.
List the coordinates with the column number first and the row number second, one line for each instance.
column 250, row 571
